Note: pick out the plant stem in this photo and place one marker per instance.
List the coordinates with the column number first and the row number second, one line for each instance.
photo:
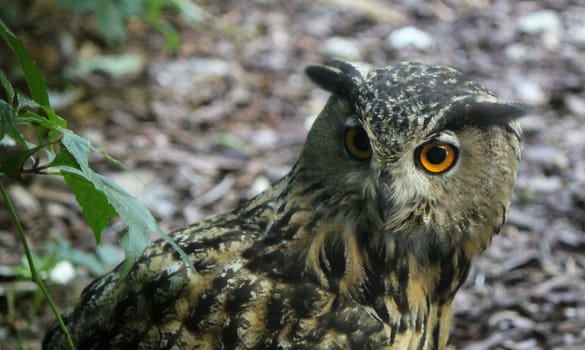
column 33, row 271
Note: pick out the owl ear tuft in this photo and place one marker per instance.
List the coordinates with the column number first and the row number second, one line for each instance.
column 338, row 77
column 484, row 113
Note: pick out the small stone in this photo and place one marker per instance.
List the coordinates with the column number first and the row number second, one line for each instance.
column 517, row 52
column 410, row 37
column 239, row 96
column 24, row 200
column 343, row 47
column 540, row 21
column 260, row 184
column 63, row 99
column 533, row 123
column 531, row 92
column 210, row 66
column 62, row 273
column 265, row 139
column 576, row 105
column 545, row 23
column 192, row 213
column 56, row 210
column 161, row 200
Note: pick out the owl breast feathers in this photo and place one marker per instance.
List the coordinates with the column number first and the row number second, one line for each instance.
column 404, row 178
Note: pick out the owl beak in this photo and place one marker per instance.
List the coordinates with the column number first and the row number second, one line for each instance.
column 383, row 204
column 382, row 196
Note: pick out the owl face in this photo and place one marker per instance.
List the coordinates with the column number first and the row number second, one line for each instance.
column 416, row 149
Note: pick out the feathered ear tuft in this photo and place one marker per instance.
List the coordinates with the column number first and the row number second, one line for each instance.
column 338, row 77
column 483, row 113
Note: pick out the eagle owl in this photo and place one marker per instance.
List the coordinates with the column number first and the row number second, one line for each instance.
column 405, row 176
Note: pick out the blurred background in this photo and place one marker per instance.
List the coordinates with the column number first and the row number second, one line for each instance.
column 206, row 103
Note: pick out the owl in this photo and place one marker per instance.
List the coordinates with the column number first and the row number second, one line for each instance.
column 405, row 177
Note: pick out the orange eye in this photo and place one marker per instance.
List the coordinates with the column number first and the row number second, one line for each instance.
column 358, row 143
column 436, row 158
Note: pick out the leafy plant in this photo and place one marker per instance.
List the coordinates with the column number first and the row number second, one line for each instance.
column 111, row 16
column 56, row 150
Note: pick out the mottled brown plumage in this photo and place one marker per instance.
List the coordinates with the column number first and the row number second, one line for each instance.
column 404, row 178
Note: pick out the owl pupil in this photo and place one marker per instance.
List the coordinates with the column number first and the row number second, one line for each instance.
column 436, row 155
column 361, row 140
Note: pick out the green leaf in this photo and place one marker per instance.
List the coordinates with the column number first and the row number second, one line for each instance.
column 113, row 160
column 127, row 206
column 114, row 65
column 32, row 73
column 110, row 20
column 140, row 224
column 139, row 220
column 97, row 210
column 43, row 115
column 192, row 12
column 7, row 114
column 25, row 103
column 7, row 87
column 170, row 34
column 63, row 159
column 43, row 264
column 17, row 136
column 12, row 166
column 133, row 245
column 54, row 118
column 76, row 5
column 154, row 8
column 108, row 255
column 7, row 117
column 79, row 147
column 186, row 259
column 26, row 118
column 89, row 260
column 54, row 125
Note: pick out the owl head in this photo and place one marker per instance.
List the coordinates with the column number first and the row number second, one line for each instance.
column 418, row 157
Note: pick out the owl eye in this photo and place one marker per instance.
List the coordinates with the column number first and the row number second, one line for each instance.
column 358, row 143
column 436, row 158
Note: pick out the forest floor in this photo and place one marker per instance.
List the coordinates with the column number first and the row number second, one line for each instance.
column 217, row 122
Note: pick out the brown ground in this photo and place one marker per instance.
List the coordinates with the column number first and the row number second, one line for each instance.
column 215, row 123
